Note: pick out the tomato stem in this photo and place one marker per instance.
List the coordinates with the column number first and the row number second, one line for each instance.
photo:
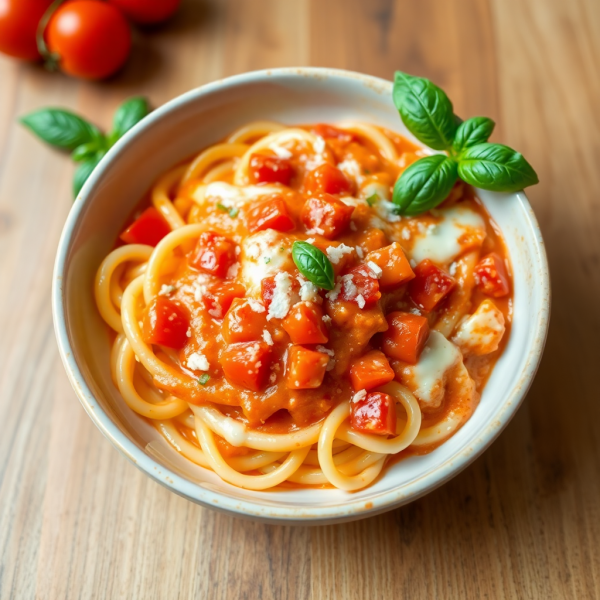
column 51, row 59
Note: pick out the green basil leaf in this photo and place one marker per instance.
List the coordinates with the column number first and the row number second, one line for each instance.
column 88, row 150
column 425, row 184
column 61, row 128
column 130, row 113
column 472, row 132
column 425, row 110
column 497, row 168
column 84, row 170
column 313, row 264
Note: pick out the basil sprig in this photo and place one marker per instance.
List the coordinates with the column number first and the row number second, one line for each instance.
column 313, row 264
column 88, row 145
column 428, row 180
column 428, row 114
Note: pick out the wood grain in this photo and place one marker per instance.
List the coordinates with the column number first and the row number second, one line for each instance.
column 78, row 521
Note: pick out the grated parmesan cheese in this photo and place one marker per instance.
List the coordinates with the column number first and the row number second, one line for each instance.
column 360, row 395
column 282, row 297
column 256, row 306
column 166, row 290
column 267, row 337
column 198, row 362
column 377, row 270
column 336, row 253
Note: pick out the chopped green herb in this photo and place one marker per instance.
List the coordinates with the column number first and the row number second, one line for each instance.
column 267, row 260
column 222, row 207
column 366, row 171
column 372, row 199
column 281, row 249
column 203, row 379
column 234, row 212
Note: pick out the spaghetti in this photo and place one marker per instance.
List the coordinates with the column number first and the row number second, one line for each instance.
column 245, row 365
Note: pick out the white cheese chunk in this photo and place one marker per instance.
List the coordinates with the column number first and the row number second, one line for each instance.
column 460, row 228
column 427, row 379
column 268, row 244
column 481, row 332
column 198, row 362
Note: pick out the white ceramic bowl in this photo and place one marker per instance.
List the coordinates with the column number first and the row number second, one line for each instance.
column 188, row 124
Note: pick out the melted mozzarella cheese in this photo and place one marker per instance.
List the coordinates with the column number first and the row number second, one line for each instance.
column 481, row 332
column 459, row 229
column 427, row 379
column 231, row 195
column 381, row 190
column 264, row 254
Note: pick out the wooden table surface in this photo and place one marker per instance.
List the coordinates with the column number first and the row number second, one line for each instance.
column 78, row 521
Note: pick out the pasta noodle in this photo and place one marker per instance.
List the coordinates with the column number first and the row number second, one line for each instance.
column 220, row 244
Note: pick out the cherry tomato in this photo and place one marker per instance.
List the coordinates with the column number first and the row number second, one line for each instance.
column 491, row 276
column 430, row 285
column 149, row 228
column 326, row 215
column 247, row 364
column 329, row 179
column 165, row 323
column 362, row 287
column 214, row 254
column 376, row 413
column 269, row 214
column 91, row 37
column 146, row 12
column 270, row 169
column 19, row 20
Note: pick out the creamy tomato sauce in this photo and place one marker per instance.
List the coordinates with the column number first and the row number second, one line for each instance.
column 424, row 300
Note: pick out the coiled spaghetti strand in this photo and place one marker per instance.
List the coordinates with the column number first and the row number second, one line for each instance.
column 104, row 276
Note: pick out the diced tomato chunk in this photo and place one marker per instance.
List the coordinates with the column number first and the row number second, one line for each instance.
column 326, row 215
column 270, row 169
column 304, row 324
column 330, row 132
column 247, row 364
column 149, row 228
column 430, row 285
column 396, row 270
column 219, row 296
column 491, row 276
column 370, row 370
column 376, row 413
column 406, row 336
column 165, row 323
column 267, row 289
column 269, row 214
column 214, row 254
column 360, row 286
column 306, row 368
column 243, row 323
column 328, row 179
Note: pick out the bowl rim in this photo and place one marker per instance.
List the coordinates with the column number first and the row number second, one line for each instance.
column 249, row 508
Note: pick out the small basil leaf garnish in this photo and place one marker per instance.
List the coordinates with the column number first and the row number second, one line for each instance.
column 88, row 150
column 313, row 264
column 425, row 110
column 130, row 113
column 425, row 184
column 472, row 132
column 61, row 128
column 84, row 170
column 496, row 167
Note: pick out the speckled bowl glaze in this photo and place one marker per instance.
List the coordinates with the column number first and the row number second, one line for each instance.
column 188, row 124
